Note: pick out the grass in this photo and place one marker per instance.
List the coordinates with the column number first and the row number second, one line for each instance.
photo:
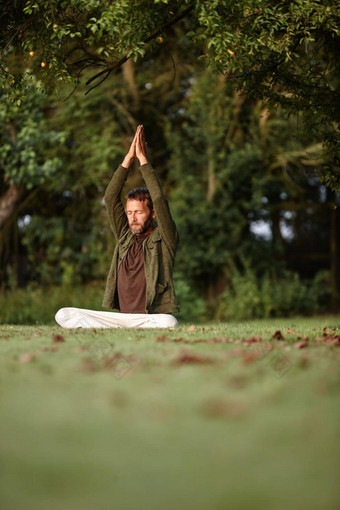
column 114, row 419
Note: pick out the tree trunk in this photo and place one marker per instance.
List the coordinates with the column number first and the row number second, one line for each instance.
column 129, row 76
column 9, row 202
column 211, row 176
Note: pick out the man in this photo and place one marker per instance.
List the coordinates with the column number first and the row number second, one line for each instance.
column 140, row 282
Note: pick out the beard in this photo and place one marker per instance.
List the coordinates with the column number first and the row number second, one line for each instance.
column 141, row 228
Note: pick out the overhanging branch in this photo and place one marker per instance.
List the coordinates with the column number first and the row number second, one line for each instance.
column 107, row 71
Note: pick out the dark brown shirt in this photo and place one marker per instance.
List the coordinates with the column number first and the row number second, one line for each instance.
column 131, row 279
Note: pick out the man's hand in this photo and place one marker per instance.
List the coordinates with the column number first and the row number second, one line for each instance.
column 141, row 146
column 131, row 155
column 137, row 149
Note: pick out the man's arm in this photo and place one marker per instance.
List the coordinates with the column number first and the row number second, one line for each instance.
column 165, row 222
column 114, row 205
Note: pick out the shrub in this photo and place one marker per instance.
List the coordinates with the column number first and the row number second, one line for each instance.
column 250, row 297
column 38, row 305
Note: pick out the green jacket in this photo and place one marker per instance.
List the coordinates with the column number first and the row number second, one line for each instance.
column 159, row 247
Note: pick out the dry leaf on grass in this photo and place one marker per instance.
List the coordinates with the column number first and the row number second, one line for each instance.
column 329, row 339
column 278, row 335
column 252, row 340
column 161, row 338
column 88, row 365
column 26, row 358
column 300, row 345
column 291, row 332
column 249, row 358
column 214, row 340
column 58, row 338
column 191, row 358
column 221, row 408
column 80, row 349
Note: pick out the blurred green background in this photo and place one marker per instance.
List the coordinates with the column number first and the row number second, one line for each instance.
column 259, row 232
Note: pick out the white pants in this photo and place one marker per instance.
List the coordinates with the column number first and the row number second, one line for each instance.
column 81, row 318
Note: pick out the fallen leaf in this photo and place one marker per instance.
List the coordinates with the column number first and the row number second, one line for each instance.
column 88, row 365
column 54, row 348
column 58, row 338
column 278, row 335
column 220, row 408
column 26, row 358
column 300, row 345
column 194, row 341
column 249, row 358
column 161, row 338
column 329, row 339
column 291, row 332
column 44, row 348
column 118, row 358
column 192, row 327
column 188, row 358
column 304, row 362
column 336, row 340
column 80, row 349
column 252, row 340
column 238, row 381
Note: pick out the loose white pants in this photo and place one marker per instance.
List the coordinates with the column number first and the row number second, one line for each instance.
column 82, row 318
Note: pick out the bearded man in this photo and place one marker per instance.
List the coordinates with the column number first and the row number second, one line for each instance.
column 140, row 282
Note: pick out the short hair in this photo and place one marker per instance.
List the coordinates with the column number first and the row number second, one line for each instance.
column 141, row 194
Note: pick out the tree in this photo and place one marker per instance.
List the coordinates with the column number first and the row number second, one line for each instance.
column 282, row 52
column 28, row 154
column 235, row 167
column 24, row 141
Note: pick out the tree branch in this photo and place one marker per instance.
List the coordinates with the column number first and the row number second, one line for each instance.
column 120, row 62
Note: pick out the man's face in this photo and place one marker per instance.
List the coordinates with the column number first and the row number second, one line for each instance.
column 139, row 216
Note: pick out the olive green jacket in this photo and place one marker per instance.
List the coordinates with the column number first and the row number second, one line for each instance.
column 159, row 247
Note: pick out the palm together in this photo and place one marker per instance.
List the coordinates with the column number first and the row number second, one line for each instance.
column 137, row 148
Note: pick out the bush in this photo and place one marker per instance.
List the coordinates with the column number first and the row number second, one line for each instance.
column 250, row 297
column 192, row 306
column 37, row 305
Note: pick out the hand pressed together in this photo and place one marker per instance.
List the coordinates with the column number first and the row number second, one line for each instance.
column 137, row 149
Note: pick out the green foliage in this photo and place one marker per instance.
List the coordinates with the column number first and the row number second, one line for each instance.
column 191, row 304
column 38, row 305
column 251, row 297
column 234, row 165
column 224, row 160
column 28, row 149
column 65, row 252
column 285, row 53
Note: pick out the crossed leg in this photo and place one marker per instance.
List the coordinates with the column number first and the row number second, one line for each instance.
column 82, row 318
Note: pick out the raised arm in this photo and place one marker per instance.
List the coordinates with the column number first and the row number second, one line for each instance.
column 114, row 206
column 165, row 222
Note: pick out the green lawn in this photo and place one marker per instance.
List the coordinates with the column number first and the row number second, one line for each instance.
column 115, row 419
